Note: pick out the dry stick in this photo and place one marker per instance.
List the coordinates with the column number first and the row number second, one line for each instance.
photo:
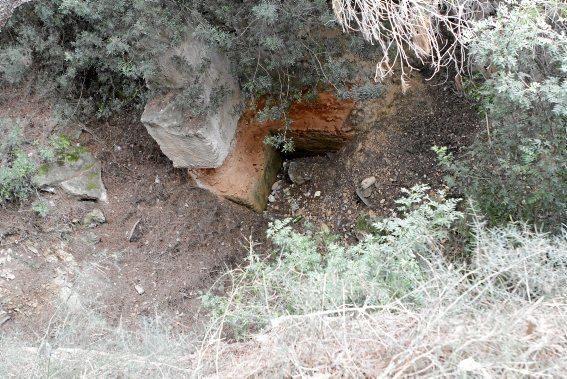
column 406, row 21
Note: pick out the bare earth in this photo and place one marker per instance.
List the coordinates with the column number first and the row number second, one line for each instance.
column 186, row 236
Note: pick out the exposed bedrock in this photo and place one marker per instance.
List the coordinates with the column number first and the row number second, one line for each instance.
column 250, row 170
column 244, row 168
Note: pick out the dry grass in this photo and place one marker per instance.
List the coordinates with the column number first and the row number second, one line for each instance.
column 493, row 319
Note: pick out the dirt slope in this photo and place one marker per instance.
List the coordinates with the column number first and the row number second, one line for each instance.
column 185, row 236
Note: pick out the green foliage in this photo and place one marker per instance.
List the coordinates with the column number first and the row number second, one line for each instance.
column 40, row 208
column 311, row 272
column 15, row 177
column 89, row 53
column 519, row 170
column 367, row 91
column 60, row 149
column 100, row 55
column 279, row 141
column 16, row 168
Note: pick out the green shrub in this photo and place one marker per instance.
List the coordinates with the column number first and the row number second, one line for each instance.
column 99, row 55
column 311, row 272
column 15, row 178
column 40, row 208
column 518, row 170
column 16, row 168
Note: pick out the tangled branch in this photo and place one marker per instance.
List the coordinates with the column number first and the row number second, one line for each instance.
column 431, row 31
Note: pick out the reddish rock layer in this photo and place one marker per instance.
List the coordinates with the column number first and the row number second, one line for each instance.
column 247, row 175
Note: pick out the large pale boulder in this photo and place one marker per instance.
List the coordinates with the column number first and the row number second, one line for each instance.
column 188, row 137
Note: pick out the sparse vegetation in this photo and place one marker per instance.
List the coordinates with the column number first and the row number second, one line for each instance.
column 40, row 208
column 17, row 166
column 367, row 313
column 311, row 274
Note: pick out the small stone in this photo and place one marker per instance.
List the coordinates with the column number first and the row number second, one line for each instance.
column 317, row 194
column 93, row 218
column 139, row 289
column 4, row 317
column 363, row 198
column 271, row 198
column 368, row 182
column 367, row 192
column 7, row 274
column 277, row 186
column 91, row 238
column 136, row 232
column 297, row 173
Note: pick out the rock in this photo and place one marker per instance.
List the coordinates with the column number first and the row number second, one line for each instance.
column 366, row 192
column 277, row 186
column 317, row 194
column 368, row 182
column 4, row 317
column 7, row 274
column 91, row 238
column 136, row 232
column 93, row 218
column 192, row 139
column 363, row 198
column 271, row 198
column 297, row 173
column 250, row 170
column 139, row 289
column 79, row 177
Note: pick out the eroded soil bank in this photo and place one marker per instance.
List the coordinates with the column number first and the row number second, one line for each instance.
column 185, row 235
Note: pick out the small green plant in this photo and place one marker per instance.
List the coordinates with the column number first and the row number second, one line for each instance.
column 310, row 272
column 280, row 142
column 40, row 208
column 15, row 178
column 60, row 149
column 16, row 167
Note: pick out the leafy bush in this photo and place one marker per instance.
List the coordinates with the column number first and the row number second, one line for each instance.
column 313, row 273
column 16, row 168
column 90, row 53
column 40, row 208
column 15, row 178
column 519, row 169
column 100, row 56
